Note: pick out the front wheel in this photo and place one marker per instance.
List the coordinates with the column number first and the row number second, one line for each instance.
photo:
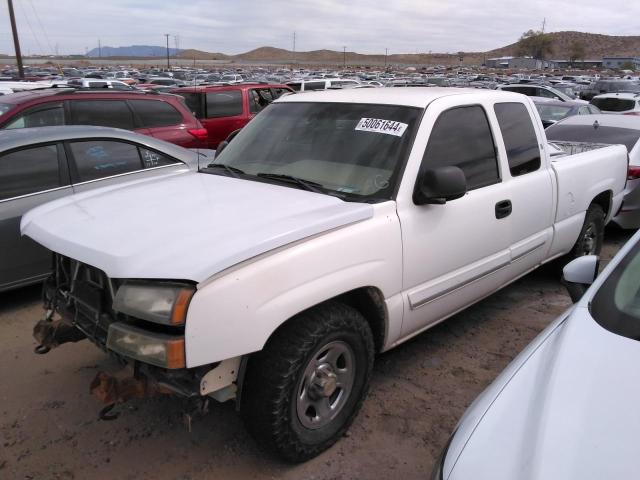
column 303, row 390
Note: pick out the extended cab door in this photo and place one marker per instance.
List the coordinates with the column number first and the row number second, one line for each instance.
column 454, row 254
column 531, row 184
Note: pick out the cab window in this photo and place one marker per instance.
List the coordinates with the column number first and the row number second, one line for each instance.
column 461, row 137
column 520, row 141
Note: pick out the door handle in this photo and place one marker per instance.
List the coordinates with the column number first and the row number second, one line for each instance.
column 503, row 209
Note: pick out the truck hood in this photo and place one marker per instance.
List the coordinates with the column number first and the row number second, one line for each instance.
column 570, row 411
column 187, row 227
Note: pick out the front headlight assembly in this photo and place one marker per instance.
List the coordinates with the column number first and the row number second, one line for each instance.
column 163, row 303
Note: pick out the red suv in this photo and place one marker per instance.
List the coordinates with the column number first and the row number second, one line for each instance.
column 223, row 109
column 162, row 116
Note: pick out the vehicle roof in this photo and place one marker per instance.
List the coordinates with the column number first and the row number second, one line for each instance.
column 606, row 120
column 237, row 86
column 30, row 95
column 555, row 102
column 411, row 97
column 21, row 137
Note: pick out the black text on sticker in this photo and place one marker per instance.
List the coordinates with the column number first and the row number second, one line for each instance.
column 379, row 125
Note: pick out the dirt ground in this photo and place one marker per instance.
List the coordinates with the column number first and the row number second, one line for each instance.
column 49, row 426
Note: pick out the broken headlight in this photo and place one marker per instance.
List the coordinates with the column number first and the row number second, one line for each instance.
column 163, row 303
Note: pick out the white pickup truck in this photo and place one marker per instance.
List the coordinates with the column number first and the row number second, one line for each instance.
column 334, row 226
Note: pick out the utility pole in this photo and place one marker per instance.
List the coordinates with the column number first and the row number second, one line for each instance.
column 99, row 49
column 168, row 66
column 544, row 22
column 16, row 42
column 294, row 48
column 386, row 52
column 344, row 58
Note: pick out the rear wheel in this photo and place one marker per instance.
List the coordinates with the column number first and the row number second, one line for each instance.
column 303, row 390
column 591, row 235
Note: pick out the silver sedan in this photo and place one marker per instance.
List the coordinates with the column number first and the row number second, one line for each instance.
column 38, row 165
column 567, row 406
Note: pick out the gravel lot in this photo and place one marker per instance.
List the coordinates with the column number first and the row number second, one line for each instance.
column 49, row 426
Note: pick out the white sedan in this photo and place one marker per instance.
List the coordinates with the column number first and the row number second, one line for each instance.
column 567, row 406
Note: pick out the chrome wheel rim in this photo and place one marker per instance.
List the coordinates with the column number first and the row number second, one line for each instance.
column 326, row 385
column 589, row 240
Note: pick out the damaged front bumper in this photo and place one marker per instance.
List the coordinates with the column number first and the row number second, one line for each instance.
column 82, row 297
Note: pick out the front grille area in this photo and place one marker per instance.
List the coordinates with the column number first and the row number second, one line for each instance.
column 84, row 294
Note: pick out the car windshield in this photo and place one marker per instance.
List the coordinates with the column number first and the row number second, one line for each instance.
column 587, row 133
column 613, row 104
column 552, row 112
column 354, row 150
column 616, row 305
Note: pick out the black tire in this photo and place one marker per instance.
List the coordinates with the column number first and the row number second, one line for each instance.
column 591, row 235
column 277, row 379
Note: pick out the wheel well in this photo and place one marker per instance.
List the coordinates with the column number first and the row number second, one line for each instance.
column 604, row 200
column 369, row 301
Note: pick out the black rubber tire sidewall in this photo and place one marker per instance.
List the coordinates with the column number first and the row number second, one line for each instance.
column 268, row 405
column 595, row 216
column 360, row 385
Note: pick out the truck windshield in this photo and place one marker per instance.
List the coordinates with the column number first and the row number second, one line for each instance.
column 356, row 151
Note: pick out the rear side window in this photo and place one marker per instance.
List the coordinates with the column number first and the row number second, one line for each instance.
column 194, row 103
column 259, row 98
column 156, row 113
column 461, row 137
column 96, row 159
column 48, row 115
column 28, row 171
column 523, row 152
column 103, row 113
column 224, row 104
column 278, row 92
column 295, row 86
column 314, row 86
column 613, row 104
column 152, row 159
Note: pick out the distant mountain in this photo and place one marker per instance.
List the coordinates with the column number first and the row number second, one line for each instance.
column 132, row 51
column 596, row 46
column 192, row 54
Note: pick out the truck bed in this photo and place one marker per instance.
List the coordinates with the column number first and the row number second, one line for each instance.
column 565, row 149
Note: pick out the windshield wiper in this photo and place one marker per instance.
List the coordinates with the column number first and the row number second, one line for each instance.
column 306, row 184
column 231, row 170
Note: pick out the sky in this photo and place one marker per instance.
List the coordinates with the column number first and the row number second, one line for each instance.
column 364, row 26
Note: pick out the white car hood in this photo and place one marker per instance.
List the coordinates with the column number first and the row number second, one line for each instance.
column 570, row 412
column 187, row 227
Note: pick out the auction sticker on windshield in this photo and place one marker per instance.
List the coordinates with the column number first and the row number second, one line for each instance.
column 379, row 125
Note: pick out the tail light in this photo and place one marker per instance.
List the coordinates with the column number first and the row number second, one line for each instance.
column 633, row 173
column 200, row 133
column 632, row 113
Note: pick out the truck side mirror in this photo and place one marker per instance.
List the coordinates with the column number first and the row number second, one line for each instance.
column 438, row 185
column 578, row 274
